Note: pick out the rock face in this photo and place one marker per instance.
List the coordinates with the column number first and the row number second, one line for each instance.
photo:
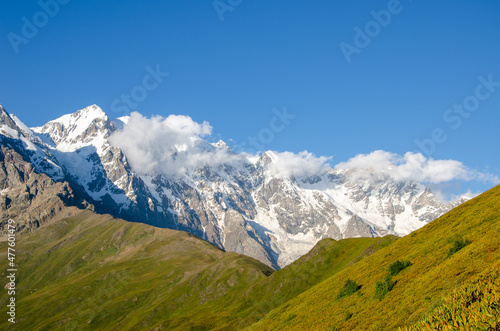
column 28, row 197
column 241, row 204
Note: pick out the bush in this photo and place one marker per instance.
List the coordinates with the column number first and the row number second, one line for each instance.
column 473, row 306
column 457, row 244
column 350, row 287
column 382, row 287
column 398, row 266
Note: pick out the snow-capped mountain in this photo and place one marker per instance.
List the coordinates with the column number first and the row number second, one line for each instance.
column 239, row 202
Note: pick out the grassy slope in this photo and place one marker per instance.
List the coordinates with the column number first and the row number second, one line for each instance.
column 475, row 306
column 326, row 259
column 420, row 288
column 93, row 271
column 96, row 272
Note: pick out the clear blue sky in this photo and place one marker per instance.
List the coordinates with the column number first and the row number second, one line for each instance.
column 265, row 55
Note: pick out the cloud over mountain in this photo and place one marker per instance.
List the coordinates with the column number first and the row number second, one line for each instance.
column 169, row 146
column 175, row 145
column 297, row 165
column 413, row 166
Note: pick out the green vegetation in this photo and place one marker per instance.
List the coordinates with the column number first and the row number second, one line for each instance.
column 89, row 272
column 95, row 272
column 475, row 306
column 419, row 290
column 382, row 287
column 398, row 266
column 327, row 258
column 350, row 287
column 458, row 244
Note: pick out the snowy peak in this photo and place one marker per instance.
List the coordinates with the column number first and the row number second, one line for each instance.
column 86, row 114
column 25, row 129
column 223, row 145
column 120, row 122
column 79, row 142
column 23, row 141
column 81, row 119
column 72, row 131
column 267, row 158
column 274, row 207
column 12, row 127
column 8, row 127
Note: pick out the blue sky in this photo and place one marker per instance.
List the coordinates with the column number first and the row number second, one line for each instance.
column 266, row 56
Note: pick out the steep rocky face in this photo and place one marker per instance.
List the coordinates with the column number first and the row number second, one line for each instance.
column 28, row 197
column 93, row 167
column 14, row 134
column 239, row 204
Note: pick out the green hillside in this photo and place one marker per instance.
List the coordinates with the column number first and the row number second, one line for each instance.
column 89, row 271
column 96, row 272
column 93, row 271
column 447, row 253
column 474, row 306
column 326, row 259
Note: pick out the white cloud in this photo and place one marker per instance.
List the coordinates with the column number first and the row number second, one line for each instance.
column 443, row 194
column 297, row 165
column 174, row 146
column 171, row 146
column 413, row 166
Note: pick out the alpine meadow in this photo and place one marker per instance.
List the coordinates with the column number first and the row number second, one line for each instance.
column 250, row 165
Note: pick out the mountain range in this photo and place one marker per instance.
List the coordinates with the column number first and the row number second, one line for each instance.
column 265, row 206
column 80, row 267
column 84, row 271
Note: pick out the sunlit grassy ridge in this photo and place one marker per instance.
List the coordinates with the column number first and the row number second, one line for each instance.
column 327, row 258
column 93, row 271
column 432, row 277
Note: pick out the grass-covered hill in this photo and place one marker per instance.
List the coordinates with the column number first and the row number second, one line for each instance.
column 326, row 259
column 436, row 278
column 95, row 272
column 90, row 271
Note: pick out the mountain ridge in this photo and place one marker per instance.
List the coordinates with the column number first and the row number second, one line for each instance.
column 246, row 205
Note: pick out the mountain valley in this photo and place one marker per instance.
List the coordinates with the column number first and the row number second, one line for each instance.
column 248, row 204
